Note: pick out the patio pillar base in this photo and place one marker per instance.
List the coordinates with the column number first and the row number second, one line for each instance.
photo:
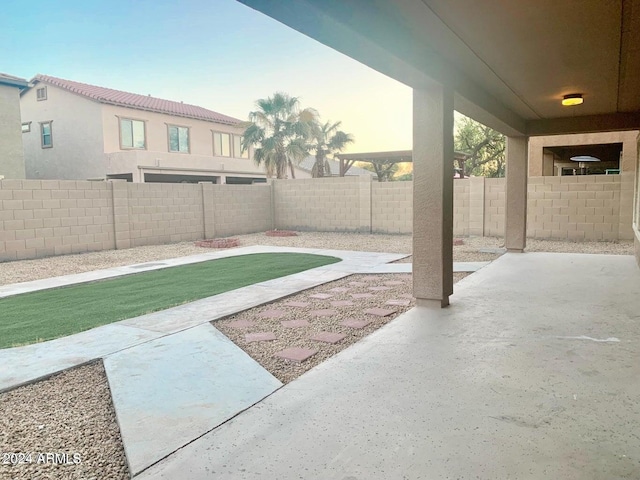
column 423, row 302
column 433, row 195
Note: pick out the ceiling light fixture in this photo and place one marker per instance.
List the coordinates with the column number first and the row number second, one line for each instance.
column 572, row 99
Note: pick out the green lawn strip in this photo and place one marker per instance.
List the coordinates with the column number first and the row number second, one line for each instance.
column 49, row 314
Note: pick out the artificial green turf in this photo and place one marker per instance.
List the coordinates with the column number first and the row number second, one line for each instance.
column 48, row 314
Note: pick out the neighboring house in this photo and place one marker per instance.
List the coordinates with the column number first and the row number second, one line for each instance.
column 303, row 170
column 11, row 153
column 80, row 131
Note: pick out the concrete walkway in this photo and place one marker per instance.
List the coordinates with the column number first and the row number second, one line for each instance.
column 26, row 364
column 531, row 373
column 173, row 376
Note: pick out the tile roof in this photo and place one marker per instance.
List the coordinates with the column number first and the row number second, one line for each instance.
column 134, row 100
column 7, row 79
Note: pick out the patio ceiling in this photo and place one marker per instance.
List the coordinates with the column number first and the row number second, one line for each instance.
column 509, row 62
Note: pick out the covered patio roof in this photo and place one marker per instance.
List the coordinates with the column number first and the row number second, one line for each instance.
column 508, row 62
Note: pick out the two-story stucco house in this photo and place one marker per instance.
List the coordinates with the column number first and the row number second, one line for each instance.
column 77, row 131
column 11, row 153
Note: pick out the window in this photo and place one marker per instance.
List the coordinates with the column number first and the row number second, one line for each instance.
column 237, row 148
column 26, row 127
column 132, row 134
column 45, row 135
column 178, row 139
column 41, row 93
column 221, row 144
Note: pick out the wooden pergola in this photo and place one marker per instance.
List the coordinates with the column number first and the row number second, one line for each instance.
column 380, row 160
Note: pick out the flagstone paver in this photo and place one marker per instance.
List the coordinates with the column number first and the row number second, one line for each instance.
column 401, row 302
column 325, row 312
column 362, row 295
column 260, row 337
column 272, row 314
column 339, row 289
column 353, row 323
column 342, row 303
column 321, row 296
column 294, row 323
column 380, row 312
column 241, row 324
column 328, row 337
column 296, row 304
column 296, row 354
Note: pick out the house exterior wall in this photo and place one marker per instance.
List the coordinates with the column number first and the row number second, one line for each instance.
column 11, row 152
column 76, row 153
column 539, row 164
column 156, row 158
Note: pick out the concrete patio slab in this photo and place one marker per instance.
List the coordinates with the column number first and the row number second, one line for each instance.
column 501, row 384
column 458, row 267
column 169, row 391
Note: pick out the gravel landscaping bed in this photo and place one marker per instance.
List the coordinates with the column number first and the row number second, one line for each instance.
column 26, row 270
column 399, row 288
column 69, row 413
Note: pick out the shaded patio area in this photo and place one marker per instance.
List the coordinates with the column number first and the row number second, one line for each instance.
column 529, row 374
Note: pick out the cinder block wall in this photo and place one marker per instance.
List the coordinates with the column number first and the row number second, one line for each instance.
column 240, row 209
column 392, row 207
column 327, row 204
column 494, row 198
column 461, row 206
column 53, row 217
column 164, row 213
column 582, row 208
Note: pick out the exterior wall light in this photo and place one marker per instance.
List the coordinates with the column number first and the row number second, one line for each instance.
column 572, row 99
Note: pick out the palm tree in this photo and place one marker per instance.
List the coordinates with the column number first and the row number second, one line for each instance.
column 326, row 139
column 279, row 130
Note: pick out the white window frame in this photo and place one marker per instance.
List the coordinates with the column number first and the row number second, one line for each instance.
column 239, row 153
column 129, row 119
column 169, row 127
column 42, row 124
column 42, row 97
column 229, row 146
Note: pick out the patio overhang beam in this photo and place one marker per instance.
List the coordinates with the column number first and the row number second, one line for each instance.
column 615, row 122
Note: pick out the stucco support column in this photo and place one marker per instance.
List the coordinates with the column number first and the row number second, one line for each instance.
column 433, row 195
column 515, row 235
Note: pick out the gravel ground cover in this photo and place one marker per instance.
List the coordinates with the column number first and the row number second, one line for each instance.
column 69, row 413
column 26, row 270
column 399, row 288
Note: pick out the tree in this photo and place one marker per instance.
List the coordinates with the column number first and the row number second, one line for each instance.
column 326, row 139
column 484, row 146
column 384, row 169
column 279, row 130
